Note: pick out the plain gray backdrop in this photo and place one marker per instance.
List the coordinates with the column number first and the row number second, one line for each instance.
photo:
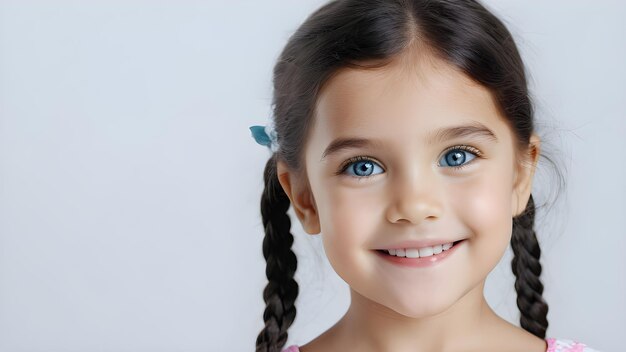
column 130, row 183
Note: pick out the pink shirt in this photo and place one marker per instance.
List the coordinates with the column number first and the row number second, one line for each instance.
column 554, row 345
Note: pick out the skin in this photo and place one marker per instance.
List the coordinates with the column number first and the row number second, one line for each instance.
column 412, row 192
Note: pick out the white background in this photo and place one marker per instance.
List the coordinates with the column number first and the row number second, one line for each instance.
column 130, row 183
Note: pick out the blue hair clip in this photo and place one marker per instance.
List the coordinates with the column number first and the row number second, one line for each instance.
column 265, row 135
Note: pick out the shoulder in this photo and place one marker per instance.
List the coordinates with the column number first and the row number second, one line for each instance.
column 567, row 345
column 554, row 345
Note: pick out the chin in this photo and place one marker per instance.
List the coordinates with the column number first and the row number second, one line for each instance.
column 424, row 309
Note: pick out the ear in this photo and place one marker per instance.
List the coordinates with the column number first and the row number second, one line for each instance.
column 522, row 185
column 301, row 198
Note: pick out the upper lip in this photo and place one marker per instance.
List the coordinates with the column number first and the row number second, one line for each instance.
column 428, row 242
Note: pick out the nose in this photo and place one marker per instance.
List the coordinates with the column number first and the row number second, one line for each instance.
column 415, row 197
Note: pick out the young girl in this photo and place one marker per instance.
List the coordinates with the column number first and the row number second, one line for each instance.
column 403, row 133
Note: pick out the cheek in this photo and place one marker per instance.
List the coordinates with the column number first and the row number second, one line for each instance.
column 349, row 219
column 484, row 206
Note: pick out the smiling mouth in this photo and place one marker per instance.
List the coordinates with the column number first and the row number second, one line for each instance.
column 414, row 261
column 385, row 252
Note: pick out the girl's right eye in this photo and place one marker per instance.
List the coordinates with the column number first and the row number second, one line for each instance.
column 360, row 165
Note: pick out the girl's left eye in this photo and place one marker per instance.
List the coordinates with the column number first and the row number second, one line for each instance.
column 457, row 159
column 363, row 165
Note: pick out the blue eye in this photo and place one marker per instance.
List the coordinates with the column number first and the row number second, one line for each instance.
column 361, row 165
column 456, row 156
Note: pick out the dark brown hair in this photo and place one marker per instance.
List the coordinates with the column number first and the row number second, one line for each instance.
column 367, row 34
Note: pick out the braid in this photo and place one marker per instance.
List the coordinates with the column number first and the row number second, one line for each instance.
column 281, row 291
column 527, row 269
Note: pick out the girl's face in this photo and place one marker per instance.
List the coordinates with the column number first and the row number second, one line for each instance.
column 408, row 187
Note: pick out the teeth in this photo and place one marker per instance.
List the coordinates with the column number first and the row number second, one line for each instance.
column 426, row 251
column 412, row 253
column 420, row 252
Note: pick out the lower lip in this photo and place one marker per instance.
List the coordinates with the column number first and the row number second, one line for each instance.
column 420, row 262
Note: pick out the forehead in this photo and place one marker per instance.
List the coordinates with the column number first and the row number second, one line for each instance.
column 404, row 101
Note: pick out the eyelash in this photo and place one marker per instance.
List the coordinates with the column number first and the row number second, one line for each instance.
column 466, row 148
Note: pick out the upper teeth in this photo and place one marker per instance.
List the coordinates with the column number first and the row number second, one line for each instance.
column 420, row 252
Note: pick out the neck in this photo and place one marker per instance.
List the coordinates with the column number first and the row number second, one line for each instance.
column 374, row 327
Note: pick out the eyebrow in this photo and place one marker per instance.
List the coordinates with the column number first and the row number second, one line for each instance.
column 475, row 129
